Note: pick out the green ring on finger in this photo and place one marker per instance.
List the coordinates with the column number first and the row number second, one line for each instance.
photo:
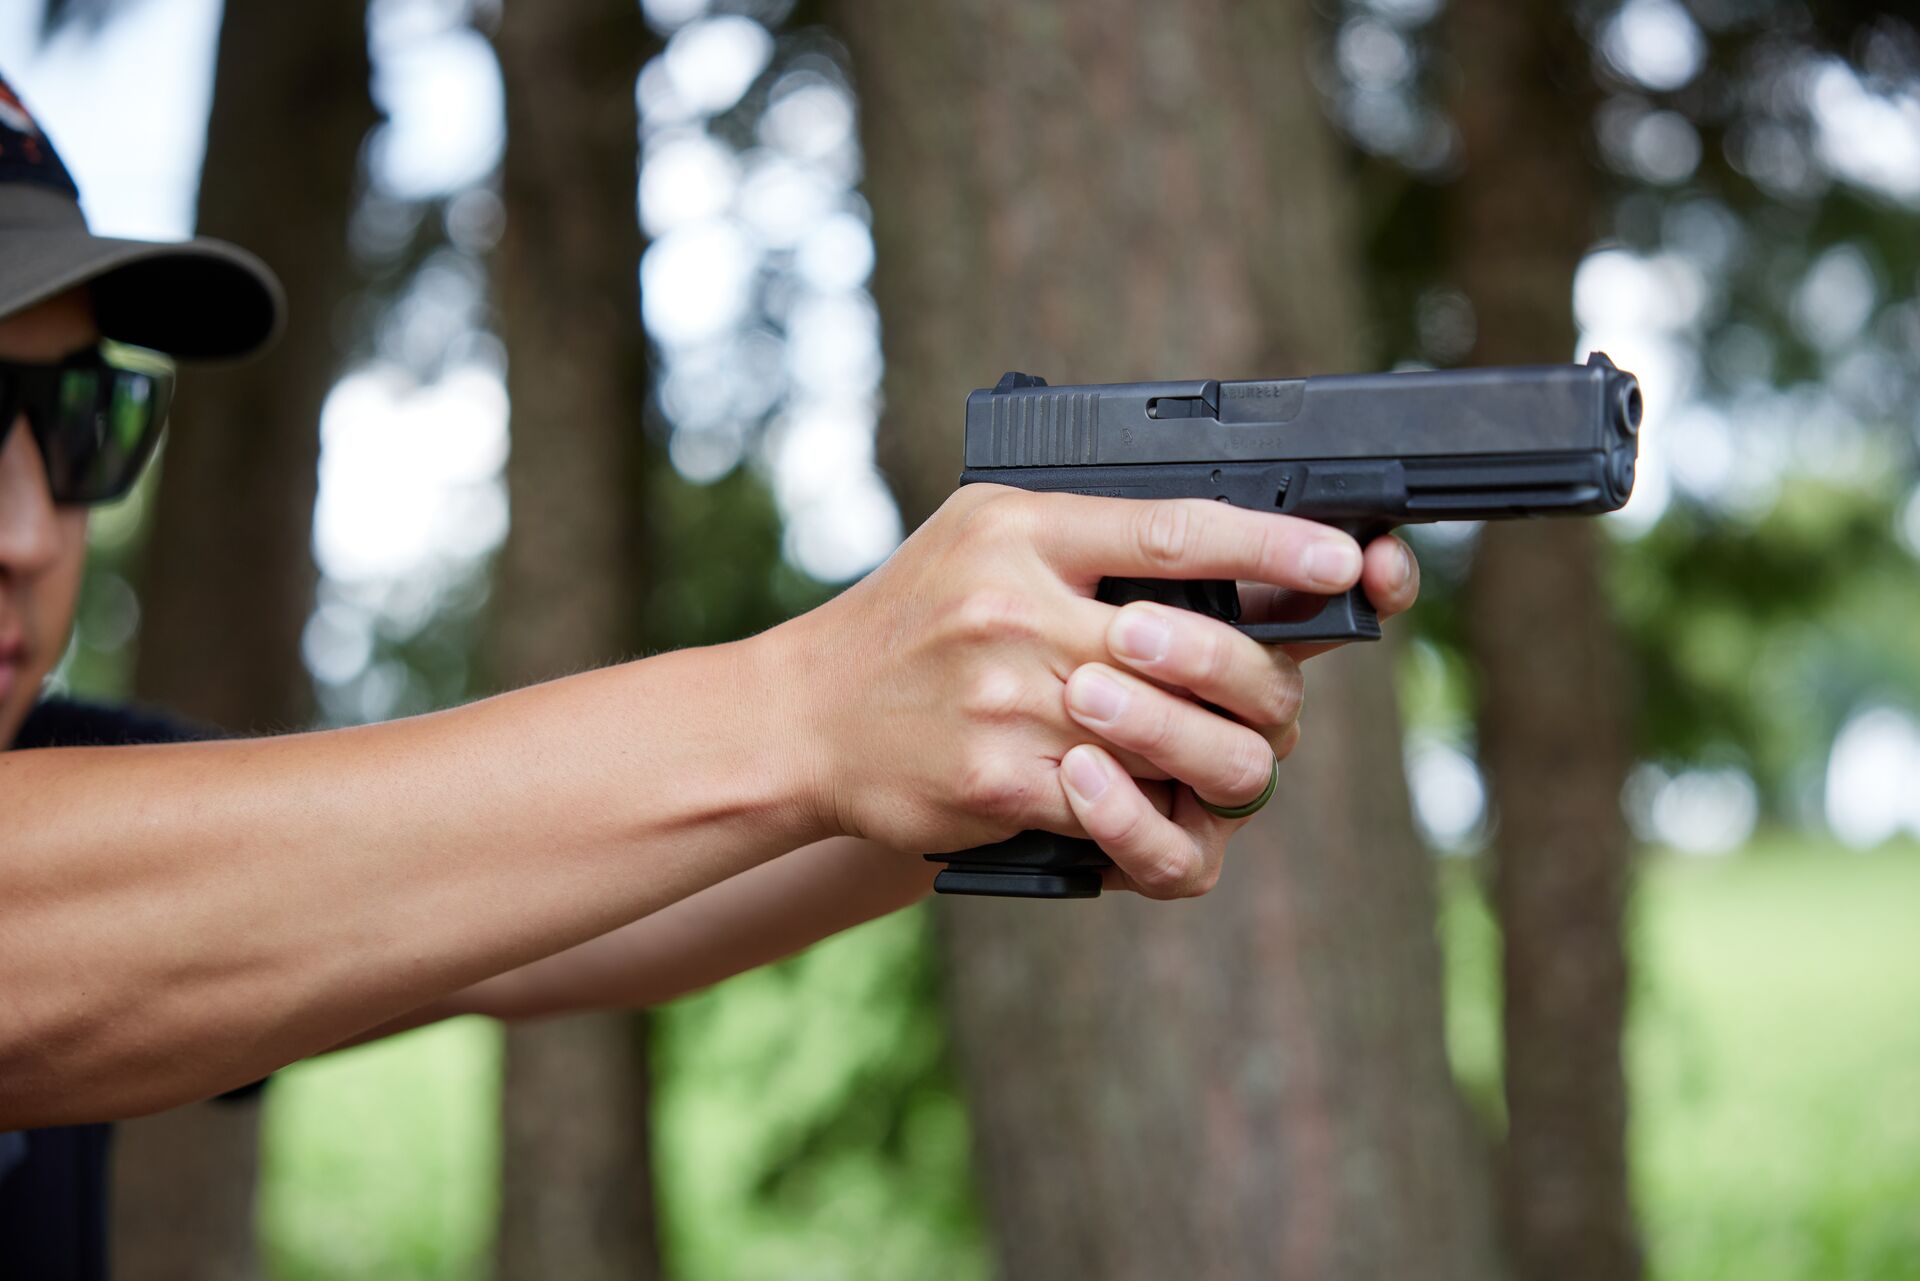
column 1252, row 807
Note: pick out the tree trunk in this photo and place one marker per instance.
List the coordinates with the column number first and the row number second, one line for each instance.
column 1253, row 1084
column 1552, row 721
column 575, row 1200
column 183, row 1185
column 228, row 582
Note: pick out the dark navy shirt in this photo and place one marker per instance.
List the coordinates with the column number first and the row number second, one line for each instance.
column 53, row 1182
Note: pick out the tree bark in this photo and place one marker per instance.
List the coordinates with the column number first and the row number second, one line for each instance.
column 1552, row 698
column 183, row 1189
column 228, row 581
column 575, row 1199
column 1253, row 1084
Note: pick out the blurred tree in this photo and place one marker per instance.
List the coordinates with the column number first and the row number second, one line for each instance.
column 228, row 577
column 576, row 1200
column 1553, row 707
column 1096, row 191
column 1757, row 609
column 1736, row 161
column 1705, row 139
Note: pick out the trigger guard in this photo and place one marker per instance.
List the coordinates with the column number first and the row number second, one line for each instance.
column 1349, row 616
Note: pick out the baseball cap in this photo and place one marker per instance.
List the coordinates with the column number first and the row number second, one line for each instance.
column 195, row 299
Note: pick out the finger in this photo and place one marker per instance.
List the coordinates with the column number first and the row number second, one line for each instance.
column 1192, row 538
column 1213, row 661
column 1159, row 857
column 1226, row 763
column 1391, row 576
column 1209, row 833
column 1155, row 782
column 1025, row 793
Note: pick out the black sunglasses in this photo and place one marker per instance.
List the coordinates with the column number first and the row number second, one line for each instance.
column 96, row 416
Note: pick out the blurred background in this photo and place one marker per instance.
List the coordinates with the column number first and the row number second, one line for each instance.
column 1580, row 944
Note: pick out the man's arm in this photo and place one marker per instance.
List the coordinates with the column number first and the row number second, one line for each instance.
column 175, row 921
column 179, row 920
column 760, row 916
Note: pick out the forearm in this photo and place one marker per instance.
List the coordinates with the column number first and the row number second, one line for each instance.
column 178, row 920
column 762, row 915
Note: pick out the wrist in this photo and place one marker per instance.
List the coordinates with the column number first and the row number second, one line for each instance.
column 778, row 673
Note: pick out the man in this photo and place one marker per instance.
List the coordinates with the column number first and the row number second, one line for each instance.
column 178, row 919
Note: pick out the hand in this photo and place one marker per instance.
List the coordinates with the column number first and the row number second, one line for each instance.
column 937, row 703
column 1120, row 802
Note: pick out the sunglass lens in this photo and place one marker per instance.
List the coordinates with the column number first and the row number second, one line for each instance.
column 104, row 423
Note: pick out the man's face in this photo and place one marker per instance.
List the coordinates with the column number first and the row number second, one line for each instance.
column 43, row 548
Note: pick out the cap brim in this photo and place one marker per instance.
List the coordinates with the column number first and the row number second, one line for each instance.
column 195, row 299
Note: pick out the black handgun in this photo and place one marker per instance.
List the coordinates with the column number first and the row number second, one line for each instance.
column 1361, row 452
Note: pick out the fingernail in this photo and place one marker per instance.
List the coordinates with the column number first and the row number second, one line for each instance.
column 1095, row 697
column 1085, row 775
column 1142, row 637
column 1403, row 570
column 1332, row 564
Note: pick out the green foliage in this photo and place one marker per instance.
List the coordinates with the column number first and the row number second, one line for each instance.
column 1753, row 638
column 722, row 576
column 807, row 1120
column 806, row 1125
column 1470, row 940
column 380, row 1163
column 1434, row 684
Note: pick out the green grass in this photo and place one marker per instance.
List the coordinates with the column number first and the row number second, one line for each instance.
column 1774, row 1056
